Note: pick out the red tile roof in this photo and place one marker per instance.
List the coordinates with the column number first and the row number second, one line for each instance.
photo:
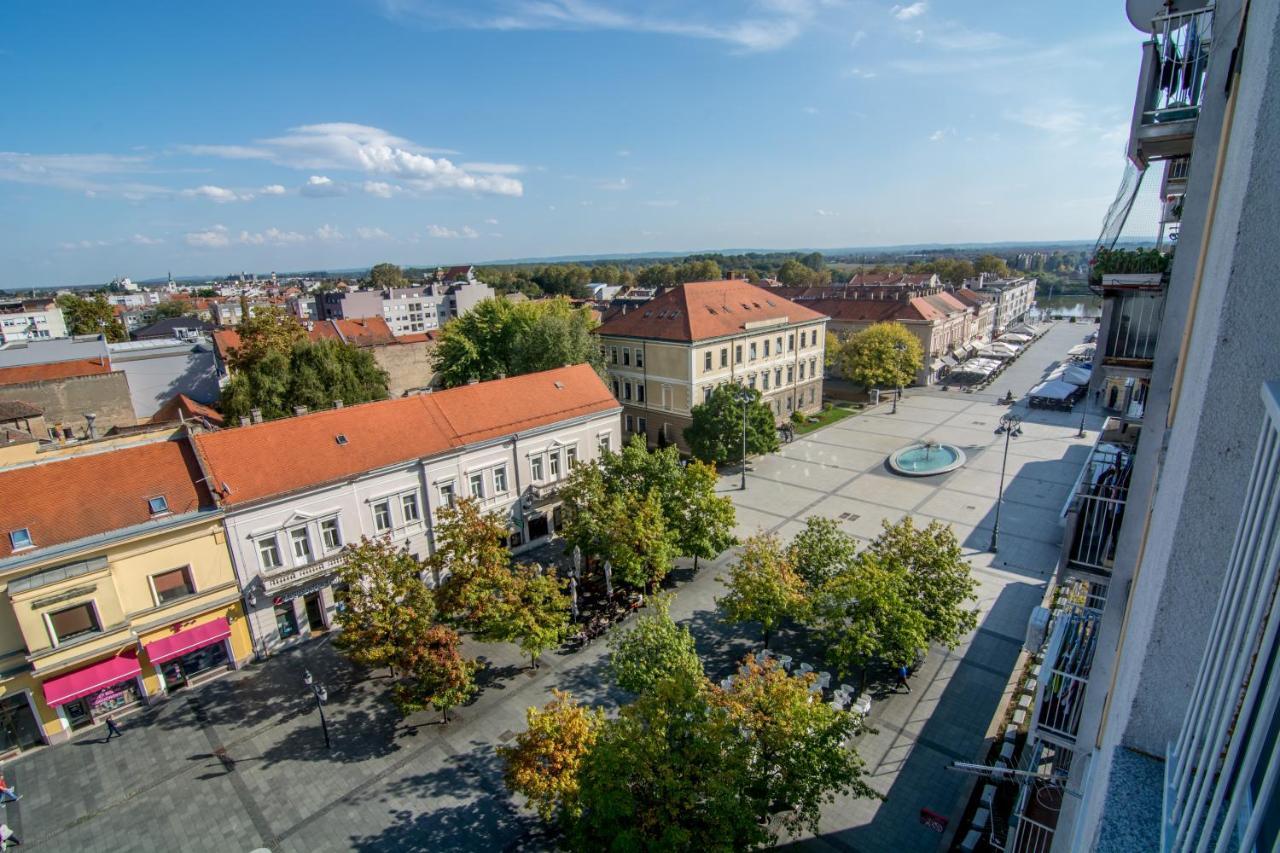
column 283, row 456
column 189, row 408
column 53, row 370
column 705, row 309
column 361, row 332
column 69, row 499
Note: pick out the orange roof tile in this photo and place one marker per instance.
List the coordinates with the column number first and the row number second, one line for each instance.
column 283, row 456
column 189, row 408
column 53, row 370
column 65, row 500
column 705, row 309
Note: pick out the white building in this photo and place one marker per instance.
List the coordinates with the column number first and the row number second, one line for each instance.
column 1014, row 298
column 31, row 319
column 296, row 490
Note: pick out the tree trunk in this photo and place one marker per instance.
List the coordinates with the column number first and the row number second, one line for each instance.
column 766, row 638
column 695, row 564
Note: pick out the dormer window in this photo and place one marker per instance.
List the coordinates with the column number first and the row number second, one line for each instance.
column 20, row 539
column 341, row 438
column 158, row 505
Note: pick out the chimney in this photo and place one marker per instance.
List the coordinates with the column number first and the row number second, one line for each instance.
column 244, row 420
column 255, row 415
column 337, row 404
column 299, row 411
column 473, row 381
column 90, row 417
column 502, row 376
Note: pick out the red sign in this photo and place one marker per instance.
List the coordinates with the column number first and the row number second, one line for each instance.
column 933, row 820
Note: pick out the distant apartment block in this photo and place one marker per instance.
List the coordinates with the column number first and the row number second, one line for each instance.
column 30, row 319
column 1014, row 298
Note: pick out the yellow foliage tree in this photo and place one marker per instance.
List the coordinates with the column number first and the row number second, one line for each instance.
column 544, row 761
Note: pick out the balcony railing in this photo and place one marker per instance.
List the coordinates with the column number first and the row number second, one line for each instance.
column 1097, row 510
column 1133, row 329
column 1171, row 86
column 279, row 580
column 1068, row 662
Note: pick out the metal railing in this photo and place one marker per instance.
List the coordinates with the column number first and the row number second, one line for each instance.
column 1181, row 45
column 1222, row 773
column 1098, row 520
column 1134, row 327
column 1068, row 661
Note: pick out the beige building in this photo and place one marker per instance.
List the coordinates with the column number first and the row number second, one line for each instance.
column 667, row 355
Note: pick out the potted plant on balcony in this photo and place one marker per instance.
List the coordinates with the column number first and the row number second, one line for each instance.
column 1129, row 267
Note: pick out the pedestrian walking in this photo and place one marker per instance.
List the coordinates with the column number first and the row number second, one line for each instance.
column 7, row 837
column 902, row 678
column 112, row 729
column 7, row 794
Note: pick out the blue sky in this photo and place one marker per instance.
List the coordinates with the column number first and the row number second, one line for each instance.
column 207, row 138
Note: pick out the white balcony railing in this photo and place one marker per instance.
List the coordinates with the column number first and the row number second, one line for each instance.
column 1181, row 45
column 279, row 580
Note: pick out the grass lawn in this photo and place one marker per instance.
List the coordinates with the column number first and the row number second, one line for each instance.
column 839, row 411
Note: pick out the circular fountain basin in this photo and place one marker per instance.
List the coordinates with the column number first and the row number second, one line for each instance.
column 920, row 460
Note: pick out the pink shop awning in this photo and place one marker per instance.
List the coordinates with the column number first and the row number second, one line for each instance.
column 177, row 645
column 62, row 689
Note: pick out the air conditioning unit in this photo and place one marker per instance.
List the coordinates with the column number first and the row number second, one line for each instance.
column 1037, row 629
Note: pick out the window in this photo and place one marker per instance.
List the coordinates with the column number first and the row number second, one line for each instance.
column 269, row 553
column 789, row 404
column 571, row 457
column 535, row 463
column 446, row 494
column 300, row 539
column 172, row 585
column 813, row 367
column 603, row 443
column 639, row 357
column 802, row 336
column 778, row 347
column 791, row 342
column 752, row 350
column 802, row 370
column 616, row 390
column 626, row 391
column 74, row 622
column 382, row 516
column 476, row 484
column 764, row 379
column 706, row 360
column 777, row 377
column 737, row 354
column 724, row 356
column 766, row 348
column 158, row 505
column 631, row 424
column 706, row 394
column 500, row 480
column 639, row 392
column 409, row 507
column 330, row 534
column 626, row 357
column 791, row 374
column 21, row 538
column 643, row 427
column 810, row 395
column 613, row 354
column 555, row 464
column 751, row 381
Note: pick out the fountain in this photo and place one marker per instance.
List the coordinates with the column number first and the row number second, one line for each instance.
column 926, row 458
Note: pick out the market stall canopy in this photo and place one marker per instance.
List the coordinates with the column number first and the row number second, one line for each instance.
column 1014, row 338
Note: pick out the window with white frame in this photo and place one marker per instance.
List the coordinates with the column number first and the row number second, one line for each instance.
column 706, row 394
column 752, row 351
column 500, row 480
column 269, row 552
column 724, row 356
column 778, row 345
column 777, row 377
column 602, row 442
column 535, row 466
column 475, row 483
column 409, row 507
column 613, row 355
column 642, row 427
column 555, row 464
column 706, row 360
column 764, row 380
column 626, row 357
column 447, row 494
column 382, row 516
column 639, row 357
column 331, row 534
column 630, row 424
column 300, row 542
column 571, row 457
column 172, row 585
column 639, row 392
column 802, row 370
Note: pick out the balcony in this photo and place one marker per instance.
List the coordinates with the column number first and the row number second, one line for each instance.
column 1171, row 86
column 1096, row 510
column 1068, row 659
column 541, row 494
column 1133, row 326
column 276, row 581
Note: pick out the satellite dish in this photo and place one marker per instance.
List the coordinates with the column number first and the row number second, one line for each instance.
column 1142, row 12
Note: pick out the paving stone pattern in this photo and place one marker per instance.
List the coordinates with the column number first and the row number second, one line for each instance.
column 240, row 764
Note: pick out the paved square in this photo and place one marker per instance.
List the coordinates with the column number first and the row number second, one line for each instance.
column 240, row 764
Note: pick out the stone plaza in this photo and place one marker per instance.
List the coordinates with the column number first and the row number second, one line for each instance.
column 240, row 764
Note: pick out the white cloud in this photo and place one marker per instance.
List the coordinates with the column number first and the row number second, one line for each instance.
column 443, row 233
column 272, row 237
column 813, row 111
column 939, row 135
column 365, row 233
column 273, row 189
column 861, row 73
column 906, row 13
column 491, row 221
column 381, row 189
column 230, row 152
column 857, row 38
column 493, row 168
column 90, row 174
column 328, row 233
column 822, row 212
column 1055, row 118
column 211, row 238
column 221, row 195
column 321, row 186
column 144, row 240
column 614, row 186
column 624, row 152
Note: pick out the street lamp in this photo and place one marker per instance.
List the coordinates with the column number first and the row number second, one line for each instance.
column 745, row 397
column 322, row 696
column 1084, row 412
column 901, row 348
column 1010, row 425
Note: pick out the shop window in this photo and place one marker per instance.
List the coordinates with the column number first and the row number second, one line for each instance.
column 269, row 553
column 78, row 621
column 331, row 534
column 172, row 585
column 409, row 508
column 382, row 516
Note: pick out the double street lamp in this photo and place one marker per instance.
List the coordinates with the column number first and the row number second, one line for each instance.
column 322, row 696
column 746, row 397
column 1010, row 425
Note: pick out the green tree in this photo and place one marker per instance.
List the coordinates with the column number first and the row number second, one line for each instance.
column 637, row 540
column 701, row 520
column 386, row 606
column 813, row 261
column 95, row 316
column 795, row 274
column 658, row 275
column 537, row 611
column 385, row 276
column 435, row 674
column 884, row 355
column 543, row 763
column 310, row 374
column 653, row 650
column 472, row 558
column 585, row 501
column 831, row 352
column 821, row 550
column 992, row 265
column 763, row 586
column 715, row 434
column 938, row 578
column 262, row 330
column 800, row 757
column 668, row 774
column 704, row 270
column 167, row 309
column 476, row 345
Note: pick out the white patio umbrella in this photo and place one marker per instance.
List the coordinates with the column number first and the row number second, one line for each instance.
column 608, row 579
column 573, row 597
column 577, row 561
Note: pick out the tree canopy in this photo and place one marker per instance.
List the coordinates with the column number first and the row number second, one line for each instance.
column 544, row 761
column 883, row 355
column 386, row 606
column 435, row 674
column 311, row 374
column 715, row 434
column 91, row 316
column 653, row 650
column 821, row 550
column 763, row 586
column 501, row 338
column 384, row 276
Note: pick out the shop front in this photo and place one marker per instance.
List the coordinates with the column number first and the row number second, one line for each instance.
column 19, row 727
column 189, row 655
column 87, row 695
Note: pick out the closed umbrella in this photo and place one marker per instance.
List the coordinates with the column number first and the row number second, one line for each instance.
column 577, row 561
column 608, row 579
column 573, row 597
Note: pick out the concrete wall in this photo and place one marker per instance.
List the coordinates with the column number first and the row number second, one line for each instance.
column 155, row 375
column 65, row 401
column 408, row 366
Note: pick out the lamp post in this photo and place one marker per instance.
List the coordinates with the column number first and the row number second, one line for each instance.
column 900, row 348
column 1011, row 425
column 1084, row 412
column 322, row 696
column 745, row 397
